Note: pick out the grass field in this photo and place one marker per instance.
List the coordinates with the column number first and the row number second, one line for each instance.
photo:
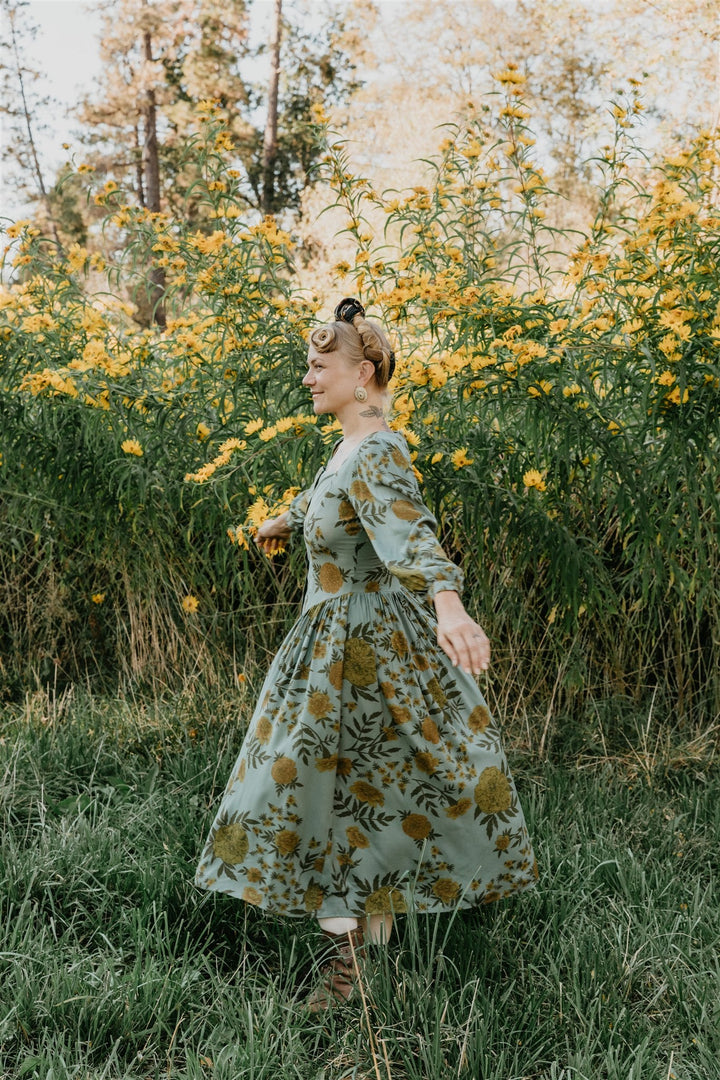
column 114, row 966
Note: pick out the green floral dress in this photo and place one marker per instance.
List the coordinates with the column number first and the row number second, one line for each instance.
column 372, row 775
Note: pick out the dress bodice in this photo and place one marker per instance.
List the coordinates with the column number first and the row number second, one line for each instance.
column 367, row 529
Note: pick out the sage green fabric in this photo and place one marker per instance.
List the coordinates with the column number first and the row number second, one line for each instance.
column 372, row 775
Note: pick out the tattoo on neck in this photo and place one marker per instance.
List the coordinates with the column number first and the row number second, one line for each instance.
column 372, row 410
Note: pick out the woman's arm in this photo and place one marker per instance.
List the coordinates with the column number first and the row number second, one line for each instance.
column 385, row 496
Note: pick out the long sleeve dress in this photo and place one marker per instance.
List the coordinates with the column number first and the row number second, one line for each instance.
column 372, row 776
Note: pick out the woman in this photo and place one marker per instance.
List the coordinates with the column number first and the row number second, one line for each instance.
column 372, row 775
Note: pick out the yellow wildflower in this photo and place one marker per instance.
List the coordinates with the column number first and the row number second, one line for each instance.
column 98, row 597
column 132, row 446
column 190, row 603
column 460, row 458
column 533, row 479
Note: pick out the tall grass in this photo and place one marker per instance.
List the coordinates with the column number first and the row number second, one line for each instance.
column 114, row 966
column 560, row 393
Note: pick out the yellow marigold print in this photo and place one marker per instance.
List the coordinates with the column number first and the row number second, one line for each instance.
column 359, row 666
column 492, row 791
column 335, row 675
column 401, row 714
column 330, row 577
column 426, row 762
column 359, row 490
column 284, row 770
column 367, row 793
column 446, row 890
column 411, row 579
column 251, row 895
column 479, row 719
column 319, row 704
column 313, row 897
column 405, row 510
column 356, row 837
column 398, row 643
column 384, row 901
column 459, row 808
column 502, row 841
column 420, row 662
column 344, row 766
column 326, row 764
column 230, row 844
column 263, row 730
column 430, row 731
column 400, row 459
column 417, row 826
column 242, row 769
column 437, row 692
column 319, row 650
column 286, row 841
column 346, row 511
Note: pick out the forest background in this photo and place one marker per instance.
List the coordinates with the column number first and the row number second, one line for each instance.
column 527, row 193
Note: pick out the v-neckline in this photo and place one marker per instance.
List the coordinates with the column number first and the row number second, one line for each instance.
column 334, row 472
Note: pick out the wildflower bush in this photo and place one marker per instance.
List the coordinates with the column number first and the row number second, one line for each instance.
column 560, row 394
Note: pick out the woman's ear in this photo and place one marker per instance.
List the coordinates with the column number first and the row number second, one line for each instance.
column 367, row 370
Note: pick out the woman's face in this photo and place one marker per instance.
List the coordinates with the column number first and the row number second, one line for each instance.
column 331, row 379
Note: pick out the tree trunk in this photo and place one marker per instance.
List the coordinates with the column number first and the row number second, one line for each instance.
column 31, row 139
column 271, row 124
column 151, row 171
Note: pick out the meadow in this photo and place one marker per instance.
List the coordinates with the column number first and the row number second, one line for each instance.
column 115, row 966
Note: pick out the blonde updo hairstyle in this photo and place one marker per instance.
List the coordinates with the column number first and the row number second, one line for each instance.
column 359, row 340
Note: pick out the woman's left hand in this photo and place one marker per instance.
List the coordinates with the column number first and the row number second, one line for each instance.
column 464, row 640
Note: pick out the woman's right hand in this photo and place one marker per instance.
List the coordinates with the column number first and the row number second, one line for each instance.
column 272, row 534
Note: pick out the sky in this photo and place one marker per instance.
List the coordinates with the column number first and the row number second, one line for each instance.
column 66, row 52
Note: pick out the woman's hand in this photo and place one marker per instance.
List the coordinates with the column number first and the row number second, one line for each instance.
column 464, row 641
column 272, row 534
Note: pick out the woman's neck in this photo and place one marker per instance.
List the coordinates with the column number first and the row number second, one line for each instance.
column 361, row 418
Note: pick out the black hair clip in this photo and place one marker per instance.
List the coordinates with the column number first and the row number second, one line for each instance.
column 347, row 309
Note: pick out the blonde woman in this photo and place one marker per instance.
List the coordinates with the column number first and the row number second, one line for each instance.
column 372, row 776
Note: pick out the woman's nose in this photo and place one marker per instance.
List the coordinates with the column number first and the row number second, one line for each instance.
column 308, row 378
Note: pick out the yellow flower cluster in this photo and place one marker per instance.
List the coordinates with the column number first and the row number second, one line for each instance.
column 258, row 512
column 224, row 455
column 533, row 479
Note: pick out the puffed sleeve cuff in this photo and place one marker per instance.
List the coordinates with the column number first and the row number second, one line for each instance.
column 297, row 510
column 385, row 496
column 453, row 581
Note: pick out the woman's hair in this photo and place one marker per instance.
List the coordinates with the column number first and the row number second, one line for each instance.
column 360, row 340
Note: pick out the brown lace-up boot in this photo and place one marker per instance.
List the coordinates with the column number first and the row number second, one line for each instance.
column 339, row 971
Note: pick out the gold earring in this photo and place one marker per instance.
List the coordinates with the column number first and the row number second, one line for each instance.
column 360, row 393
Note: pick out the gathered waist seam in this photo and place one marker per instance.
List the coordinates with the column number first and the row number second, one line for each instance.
column 390, row 588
